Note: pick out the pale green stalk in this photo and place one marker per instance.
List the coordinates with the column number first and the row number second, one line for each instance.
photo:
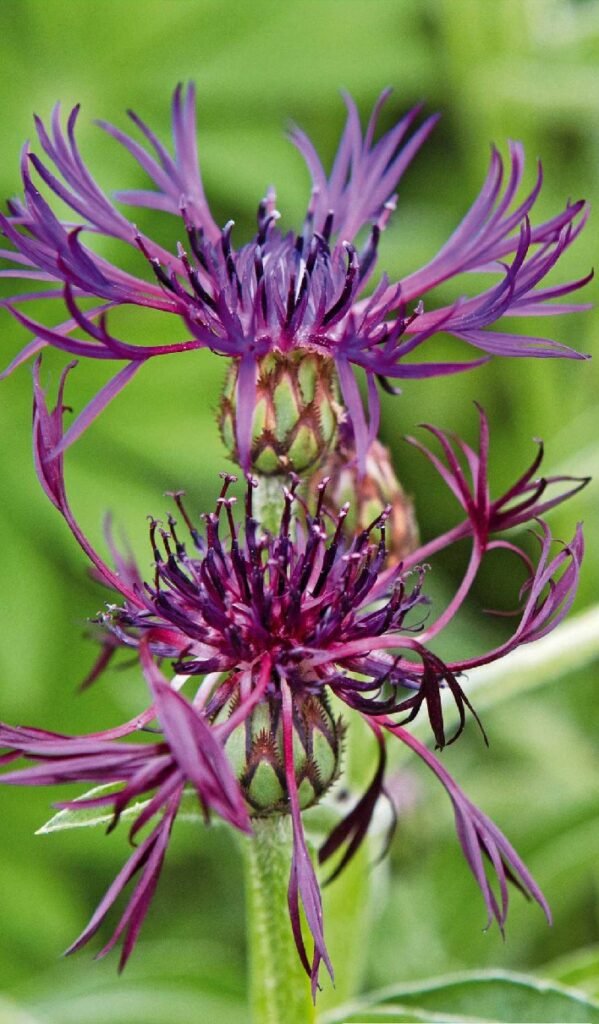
column 279, row 986
column 280, row 991
column 269, row 502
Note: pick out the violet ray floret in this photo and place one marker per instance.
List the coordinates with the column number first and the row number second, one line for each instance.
column 466, row 473
column 282, row 292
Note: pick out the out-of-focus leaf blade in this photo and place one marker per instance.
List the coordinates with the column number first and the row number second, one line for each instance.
column 579, row 969
column 10, row 1013
column 137, row 1005
column 91, row 817
column 500, row 997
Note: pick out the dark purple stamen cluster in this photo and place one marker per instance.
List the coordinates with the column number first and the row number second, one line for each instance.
column 300, row 597
column 325, row 612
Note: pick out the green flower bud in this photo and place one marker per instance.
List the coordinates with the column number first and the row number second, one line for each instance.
column 296, row 413
column 255, row 751
column 369, row 495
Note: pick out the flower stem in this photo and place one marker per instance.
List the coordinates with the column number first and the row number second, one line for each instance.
column 279, row 987
column 268, row 502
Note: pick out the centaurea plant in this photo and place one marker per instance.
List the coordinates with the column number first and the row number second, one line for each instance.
column 300, row 605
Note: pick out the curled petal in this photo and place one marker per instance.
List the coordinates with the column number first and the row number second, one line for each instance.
column 480, row 839
column 354, row 826
column 303, row 884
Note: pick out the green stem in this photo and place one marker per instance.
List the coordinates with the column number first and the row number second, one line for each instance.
column 269, row 501
column 279, row 987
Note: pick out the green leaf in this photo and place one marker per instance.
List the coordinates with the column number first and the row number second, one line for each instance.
column 484, row 997
column 10, row 1013
column 580, row 969
column 136, row 1005
column 91, row 817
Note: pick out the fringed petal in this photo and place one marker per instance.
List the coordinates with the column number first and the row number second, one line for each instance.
column 303, row 884
column 479, row 838
column 351, row 831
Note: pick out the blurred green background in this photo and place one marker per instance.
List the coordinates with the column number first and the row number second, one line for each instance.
column 525, row 69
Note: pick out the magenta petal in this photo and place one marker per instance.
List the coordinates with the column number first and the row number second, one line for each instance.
column 139, row 903
column 479, row 837
column 198, row 753
column 96, row 406
column 141, row 856
column 353, row 827
column 302, row 880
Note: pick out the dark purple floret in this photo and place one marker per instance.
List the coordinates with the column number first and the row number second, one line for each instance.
column 282, row 292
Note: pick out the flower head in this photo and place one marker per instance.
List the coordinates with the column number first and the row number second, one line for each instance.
column 268, row 625
column 282, row 292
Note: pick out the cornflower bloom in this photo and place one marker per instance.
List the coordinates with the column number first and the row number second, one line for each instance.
column 273, row 624
column 282, row 300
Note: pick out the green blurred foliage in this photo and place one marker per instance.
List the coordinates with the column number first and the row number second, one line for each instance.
column 525, row 69
column 498, row 996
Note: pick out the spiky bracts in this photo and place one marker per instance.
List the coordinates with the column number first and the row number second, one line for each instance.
column 296, row 413
column 256, row 750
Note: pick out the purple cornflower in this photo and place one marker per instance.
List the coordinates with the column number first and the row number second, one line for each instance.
column 283, row 293
column 272, row 623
